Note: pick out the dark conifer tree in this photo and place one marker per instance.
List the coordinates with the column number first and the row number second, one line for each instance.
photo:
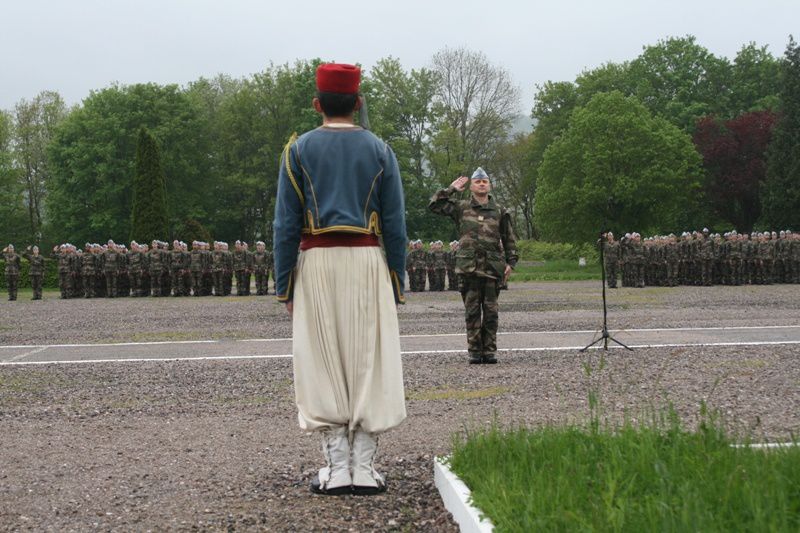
column 780, row 195
column 149, row 214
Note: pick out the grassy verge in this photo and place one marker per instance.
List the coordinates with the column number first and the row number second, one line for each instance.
column 656, row 477
column 555, row 270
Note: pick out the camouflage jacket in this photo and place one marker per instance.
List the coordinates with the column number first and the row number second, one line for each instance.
column 36, row 263
column 483, row 229
column 12, row 262
column 437, row 260
column 261, row 261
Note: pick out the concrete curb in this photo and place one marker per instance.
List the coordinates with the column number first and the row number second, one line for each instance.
column 455, row 495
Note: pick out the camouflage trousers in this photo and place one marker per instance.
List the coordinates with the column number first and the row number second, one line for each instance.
column 65, row 284
column 36, row 285
column 11, row 281
column 481, row 313
column 611, row 274
column 436, row 279
column 416, row 280
column 197, row 282
column 111, row 284
column 261, row 282
column 219, row 283
column 452, row 280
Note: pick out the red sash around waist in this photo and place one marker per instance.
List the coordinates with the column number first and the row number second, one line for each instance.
column 338, row 238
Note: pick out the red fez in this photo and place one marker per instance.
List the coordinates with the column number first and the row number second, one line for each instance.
column 338, row 78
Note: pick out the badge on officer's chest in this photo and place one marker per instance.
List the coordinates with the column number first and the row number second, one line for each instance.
column 480, row 218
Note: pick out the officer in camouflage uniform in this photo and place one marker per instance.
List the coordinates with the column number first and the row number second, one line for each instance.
column 611, row 259
column 196, row 266
column 62, row 256
column 36, row 270
column 482, row 225
column 261, row 268
column 13, row 265
column 452, row 280
column 89, row 267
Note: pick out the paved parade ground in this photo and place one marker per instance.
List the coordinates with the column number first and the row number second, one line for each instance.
column 181, row 412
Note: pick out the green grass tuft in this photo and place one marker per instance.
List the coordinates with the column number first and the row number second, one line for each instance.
column 651, row 477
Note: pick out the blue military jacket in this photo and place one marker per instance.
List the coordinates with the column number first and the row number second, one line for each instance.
column 338, row 180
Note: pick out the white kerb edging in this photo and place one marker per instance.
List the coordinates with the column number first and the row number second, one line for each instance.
column 455, row 495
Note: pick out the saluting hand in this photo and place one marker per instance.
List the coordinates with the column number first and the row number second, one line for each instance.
column 460, row 183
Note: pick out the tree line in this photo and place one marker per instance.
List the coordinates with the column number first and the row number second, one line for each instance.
column 676, row 138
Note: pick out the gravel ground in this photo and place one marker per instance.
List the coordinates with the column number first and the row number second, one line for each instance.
column 213, row 445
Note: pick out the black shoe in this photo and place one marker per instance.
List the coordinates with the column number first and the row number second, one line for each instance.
column 359, row 490
column 489, row 359
column 475, row 359
column 338, row 491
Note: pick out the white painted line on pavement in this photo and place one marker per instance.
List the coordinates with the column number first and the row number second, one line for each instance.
column 416, row 352
column 544, row 332
column 26, row 354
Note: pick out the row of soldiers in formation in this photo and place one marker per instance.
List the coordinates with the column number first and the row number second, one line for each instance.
column 112, row 270
column 433, row 265
column 703, row 258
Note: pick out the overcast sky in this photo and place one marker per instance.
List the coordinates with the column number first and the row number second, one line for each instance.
column 75, row 46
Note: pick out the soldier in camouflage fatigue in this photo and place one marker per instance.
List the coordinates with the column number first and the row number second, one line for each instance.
column 437, row 266
column 452, row 280
column 176, row 268
column 218, row 269
column 261, row 268
column 36, row 270
column 248, row 270
column 111, row 269
column 416, row 265
column 610, row 259
column 135, row 269
column 13, row 264
column 155, row 261
column 705, row 252
column 227, row 275
column 482, row 225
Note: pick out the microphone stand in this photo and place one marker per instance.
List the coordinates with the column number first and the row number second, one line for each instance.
column 605, row 336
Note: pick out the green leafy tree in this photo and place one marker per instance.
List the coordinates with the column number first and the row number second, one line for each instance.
column 515, row 185
column 616, row 166
column 13, row 214
column 476, row 103
column 755, row 81
column 402, row 113
column 149, row 218
column 255, row 123
column 93, row 155
column 780, row 194
column 36, row 122
column 682, row 81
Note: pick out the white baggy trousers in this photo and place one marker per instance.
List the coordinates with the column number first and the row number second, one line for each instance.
column 346, row 341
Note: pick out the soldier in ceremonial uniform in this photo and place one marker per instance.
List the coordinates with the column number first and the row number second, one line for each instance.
column 12, row 270
column 339, row 187
column 111, row 269
column 483, row 226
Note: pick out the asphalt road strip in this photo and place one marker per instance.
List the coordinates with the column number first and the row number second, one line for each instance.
column 204, row 350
